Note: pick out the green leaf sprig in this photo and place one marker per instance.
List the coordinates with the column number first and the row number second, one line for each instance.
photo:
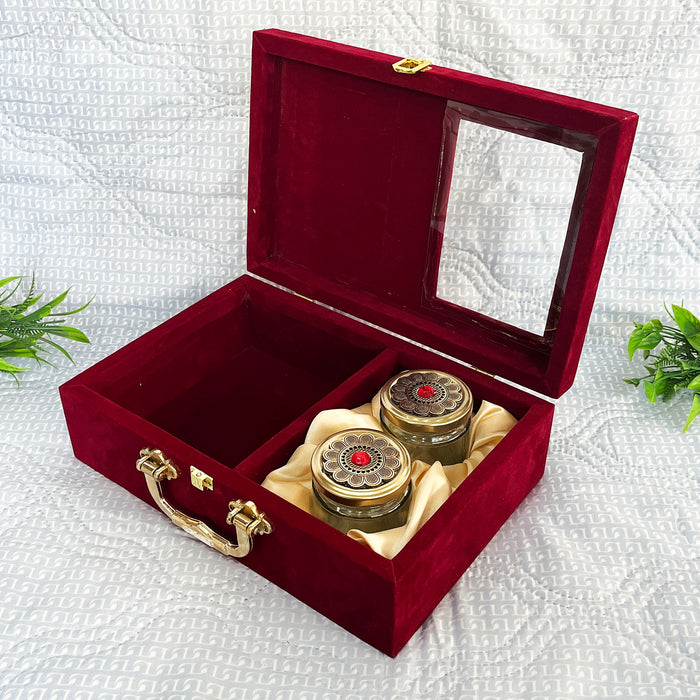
column 24, row 330
column 677, row 363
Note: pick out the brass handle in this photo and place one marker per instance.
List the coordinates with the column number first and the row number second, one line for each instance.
column 244, row 516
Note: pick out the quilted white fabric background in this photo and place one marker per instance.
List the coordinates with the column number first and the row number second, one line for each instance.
column 123, row 156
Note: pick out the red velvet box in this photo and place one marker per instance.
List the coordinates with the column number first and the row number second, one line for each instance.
column 350, row 163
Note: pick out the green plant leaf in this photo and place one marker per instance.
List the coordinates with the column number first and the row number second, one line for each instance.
column 650, row 391
column 75, row 311
column 669, row 391
column 24, row 305
column 7, row 347
column 11, row 369
column 694, row 411
column 66, row 332
column 45, row 310
column 17, row 350
column 7, row 367
column 644, row 338
column 675, row 365
column 26, row 334
column 689, row 325
column 661, row 381
column 58, row 347
column 7, row 280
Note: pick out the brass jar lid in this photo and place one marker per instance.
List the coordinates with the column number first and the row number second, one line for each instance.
column 361, row 468
column 426, row 401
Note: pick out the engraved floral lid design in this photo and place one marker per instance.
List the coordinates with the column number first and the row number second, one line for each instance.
column 361, row 468
column 421, row 401
column 360, row 460
column 426, row 394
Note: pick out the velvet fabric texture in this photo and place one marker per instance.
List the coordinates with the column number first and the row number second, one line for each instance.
column 432, row 483
column 348, row 185
column 343, row 208
column 140, row 397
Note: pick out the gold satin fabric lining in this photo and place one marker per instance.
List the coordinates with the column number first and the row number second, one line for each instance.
column 432, row 484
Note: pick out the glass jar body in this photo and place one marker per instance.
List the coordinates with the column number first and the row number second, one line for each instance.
column 375, row 518
column 447, row 448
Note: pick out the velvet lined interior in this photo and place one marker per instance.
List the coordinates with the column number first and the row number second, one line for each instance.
column 277, row 357
column 336, row 213
column 265, row 368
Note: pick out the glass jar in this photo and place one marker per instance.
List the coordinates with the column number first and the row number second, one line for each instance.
column 429, row 412
column 361, row 479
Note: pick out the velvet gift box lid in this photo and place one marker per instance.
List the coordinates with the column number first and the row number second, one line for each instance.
column 349, row 180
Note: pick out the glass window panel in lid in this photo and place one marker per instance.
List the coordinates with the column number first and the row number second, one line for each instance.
column 510, row 209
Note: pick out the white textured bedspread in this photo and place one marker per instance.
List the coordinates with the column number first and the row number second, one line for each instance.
column 123, row 160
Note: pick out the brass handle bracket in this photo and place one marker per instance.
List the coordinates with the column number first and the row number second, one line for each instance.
column 244, row 516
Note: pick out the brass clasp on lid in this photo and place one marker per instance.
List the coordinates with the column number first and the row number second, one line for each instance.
column 411, row 65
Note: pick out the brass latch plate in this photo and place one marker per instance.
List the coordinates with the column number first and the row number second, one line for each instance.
column 200, row 480
column 411, row 65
